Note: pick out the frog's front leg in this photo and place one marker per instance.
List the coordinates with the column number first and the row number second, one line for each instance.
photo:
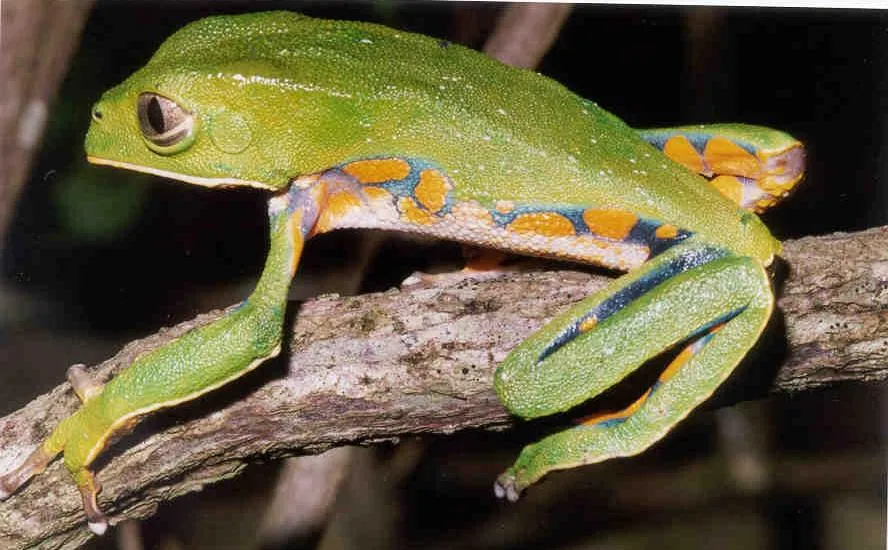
column 199, row 361
column 714, row 302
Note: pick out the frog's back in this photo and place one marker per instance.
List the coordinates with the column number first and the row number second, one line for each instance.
column 499, row 133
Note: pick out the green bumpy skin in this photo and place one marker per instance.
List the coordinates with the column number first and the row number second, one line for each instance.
column 357, row 125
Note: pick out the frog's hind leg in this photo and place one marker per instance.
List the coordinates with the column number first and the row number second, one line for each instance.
column 720, row 304
column 755, row 167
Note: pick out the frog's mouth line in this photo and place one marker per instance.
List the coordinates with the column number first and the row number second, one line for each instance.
column 196, row 180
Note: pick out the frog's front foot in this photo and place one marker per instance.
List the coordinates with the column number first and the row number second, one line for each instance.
column 32, row 466
column 66, row 437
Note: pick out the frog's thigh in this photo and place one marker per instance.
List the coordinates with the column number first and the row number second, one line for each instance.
column 753, row 166
column 723, row 335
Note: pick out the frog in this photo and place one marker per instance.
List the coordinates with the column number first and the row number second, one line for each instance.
column 356, row 125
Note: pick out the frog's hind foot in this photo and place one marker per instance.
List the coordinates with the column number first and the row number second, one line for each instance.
column 89, row 489
column 597, row 344
column 506, row 487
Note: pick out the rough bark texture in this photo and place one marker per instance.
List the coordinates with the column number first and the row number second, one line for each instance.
column 382, row 366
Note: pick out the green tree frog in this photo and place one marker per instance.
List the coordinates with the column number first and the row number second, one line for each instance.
column 356, row 125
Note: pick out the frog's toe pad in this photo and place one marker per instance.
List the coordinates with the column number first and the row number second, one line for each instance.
column 506, row 487
column 89, row 489
column 98, row 527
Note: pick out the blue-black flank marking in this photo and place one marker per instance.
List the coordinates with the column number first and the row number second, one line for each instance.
column 703, row 341
column 698, row 140
column 405, row 187
column 634, row 290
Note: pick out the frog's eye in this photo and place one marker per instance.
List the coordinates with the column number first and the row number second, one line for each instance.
column 166, row 126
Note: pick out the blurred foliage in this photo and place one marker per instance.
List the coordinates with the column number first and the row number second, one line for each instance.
column 94, row 208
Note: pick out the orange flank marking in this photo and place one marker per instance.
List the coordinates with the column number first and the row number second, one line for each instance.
column 680, row 360
column 377, row 170
column 723, row 156
column 413, row 213
column 483, row 259
column 298, row 239
column 431, row 191
column 730, row 187
column 617, row 415
column 376, row 193
column 338, row 205
column 685, row 355
column 679, row 149
column 613, row 224
column 549, row 224
column 666, row 231
column 588, row 324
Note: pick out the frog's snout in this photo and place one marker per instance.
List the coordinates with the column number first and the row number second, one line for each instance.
column 97, row 113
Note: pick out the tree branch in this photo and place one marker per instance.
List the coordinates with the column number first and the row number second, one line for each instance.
column 381, row 366
column 525, row 32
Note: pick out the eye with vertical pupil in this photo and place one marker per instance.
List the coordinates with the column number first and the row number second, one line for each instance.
column 167, row 126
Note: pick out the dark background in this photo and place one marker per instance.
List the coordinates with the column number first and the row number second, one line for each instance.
column 97, row 256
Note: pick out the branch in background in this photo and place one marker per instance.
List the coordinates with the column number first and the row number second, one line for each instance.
column 383, row 366
column 38, row 40
column 525, row 32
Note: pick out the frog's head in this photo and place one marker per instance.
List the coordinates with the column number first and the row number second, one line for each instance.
column 197, row 128
column 210, row 108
